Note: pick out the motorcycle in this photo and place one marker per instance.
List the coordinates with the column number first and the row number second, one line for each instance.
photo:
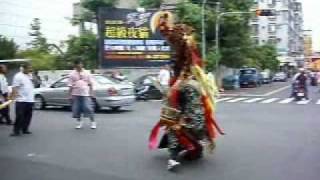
column 299, row 91
column 147, row 92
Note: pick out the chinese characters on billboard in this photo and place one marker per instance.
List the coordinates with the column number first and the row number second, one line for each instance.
column 126, row 40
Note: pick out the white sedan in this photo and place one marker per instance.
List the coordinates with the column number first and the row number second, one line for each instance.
column 108, row 93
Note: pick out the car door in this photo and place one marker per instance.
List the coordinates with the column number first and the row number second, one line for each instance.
column 60, row 92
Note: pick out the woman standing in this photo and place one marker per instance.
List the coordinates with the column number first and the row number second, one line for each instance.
column 4, row 91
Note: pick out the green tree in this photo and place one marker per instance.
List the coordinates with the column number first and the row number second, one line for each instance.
column 263, row 57
column 234, row 35
column 150, row 3
column 84, row 48
column 40, row 60
column 8, row 48
column 39, row 42
column 93, row 5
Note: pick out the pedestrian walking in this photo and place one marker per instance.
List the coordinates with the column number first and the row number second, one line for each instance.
column 81, row 94
column 36, row 79
column 4, row 93
column 23, row 93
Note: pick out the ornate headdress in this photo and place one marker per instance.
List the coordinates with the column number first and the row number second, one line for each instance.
column 187, row 57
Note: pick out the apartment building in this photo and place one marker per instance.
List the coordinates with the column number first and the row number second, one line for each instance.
column 285, row 29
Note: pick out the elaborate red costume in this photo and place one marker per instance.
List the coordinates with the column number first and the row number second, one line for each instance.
column 188, row 112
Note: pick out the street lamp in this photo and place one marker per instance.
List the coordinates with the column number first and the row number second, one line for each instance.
column 217, row 37
column 203, row 31
column 204, row 56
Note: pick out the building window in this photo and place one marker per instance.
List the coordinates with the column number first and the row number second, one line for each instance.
column 272, row 3
column 255, row 29
column 285, row 16
column 272, row 40
column 272, row 28
column 255, row 40
column 279, row 40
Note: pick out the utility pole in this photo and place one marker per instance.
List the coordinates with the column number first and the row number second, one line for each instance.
column 203, row 33
column 217, row 35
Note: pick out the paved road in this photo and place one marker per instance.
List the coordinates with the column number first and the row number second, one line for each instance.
column 263, row 142
column 264, row 90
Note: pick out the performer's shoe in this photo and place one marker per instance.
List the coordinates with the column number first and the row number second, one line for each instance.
column 27, row 132
column 15, row 134
column 93, row 125
column 172, row 164
column 79, row 125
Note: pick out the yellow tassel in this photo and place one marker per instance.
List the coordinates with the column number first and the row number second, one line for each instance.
column 207, row 84
column 5, row 104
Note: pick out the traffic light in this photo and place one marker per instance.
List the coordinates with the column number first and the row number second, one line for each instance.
column 265, row 12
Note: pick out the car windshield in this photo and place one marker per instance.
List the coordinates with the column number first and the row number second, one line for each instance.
column 103, row 80
column 247, row 72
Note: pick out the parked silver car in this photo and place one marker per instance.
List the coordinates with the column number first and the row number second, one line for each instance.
column 108, row 93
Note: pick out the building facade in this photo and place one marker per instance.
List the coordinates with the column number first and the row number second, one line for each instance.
column 284, row 30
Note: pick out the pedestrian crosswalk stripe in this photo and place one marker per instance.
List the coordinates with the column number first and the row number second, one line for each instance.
column 237, row 100
column 303, row 102
column 253, row 100
column 264, row 100
column 269, row 100
column 286, row 101
column 223, row 99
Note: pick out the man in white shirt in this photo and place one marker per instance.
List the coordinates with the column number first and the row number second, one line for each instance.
column 164, row 78
column 23, row 93
column 4, row 90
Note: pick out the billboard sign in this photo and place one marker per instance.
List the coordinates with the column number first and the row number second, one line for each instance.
column 126, row 40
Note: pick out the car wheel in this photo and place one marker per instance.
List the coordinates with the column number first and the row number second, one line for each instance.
column 39, row 103
column 116, row 108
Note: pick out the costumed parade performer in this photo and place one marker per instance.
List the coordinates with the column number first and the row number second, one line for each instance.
column 187, row 116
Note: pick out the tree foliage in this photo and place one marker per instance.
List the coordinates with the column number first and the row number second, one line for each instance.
column 93, row 5
column 40, row 60
column 8, row 48
column 39, row 42
column 150, row 3
column 84, row 48
column 263, row 57
column 234, row 34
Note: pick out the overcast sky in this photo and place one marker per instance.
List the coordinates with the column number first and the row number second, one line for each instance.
column 311, row 9
column 15, row 17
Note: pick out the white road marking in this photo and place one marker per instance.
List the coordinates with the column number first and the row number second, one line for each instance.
column 304, row 102
column 277, row 90
column 318, row 102
column 256, row 95
column 286, row 101
column 236, row 100
column 269, row 100
column 223, row 99
column 253, row 100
